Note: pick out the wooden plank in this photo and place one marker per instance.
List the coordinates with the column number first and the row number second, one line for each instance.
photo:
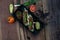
column 45, row 6
column 25, row 34
column 0, row 31
column 53, row 27
column 18, row 31
column 22, row 33
column 9, row 31
column 40, row 36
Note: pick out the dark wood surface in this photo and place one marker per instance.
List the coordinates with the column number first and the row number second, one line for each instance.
column 53, row 27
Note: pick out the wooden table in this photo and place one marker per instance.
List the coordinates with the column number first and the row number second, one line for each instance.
column 17, row 32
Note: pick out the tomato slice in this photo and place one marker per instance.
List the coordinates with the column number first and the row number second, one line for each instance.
column 11, row 19
column 33, row 8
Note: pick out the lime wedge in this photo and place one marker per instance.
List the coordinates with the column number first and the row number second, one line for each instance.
column 11, row 8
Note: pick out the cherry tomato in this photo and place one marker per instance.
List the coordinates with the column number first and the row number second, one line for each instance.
column 33, row 8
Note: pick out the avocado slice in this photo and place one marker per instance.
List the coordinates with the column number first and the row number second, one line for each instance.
column 37, row 25
column 25, row 14
column 19, row 14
